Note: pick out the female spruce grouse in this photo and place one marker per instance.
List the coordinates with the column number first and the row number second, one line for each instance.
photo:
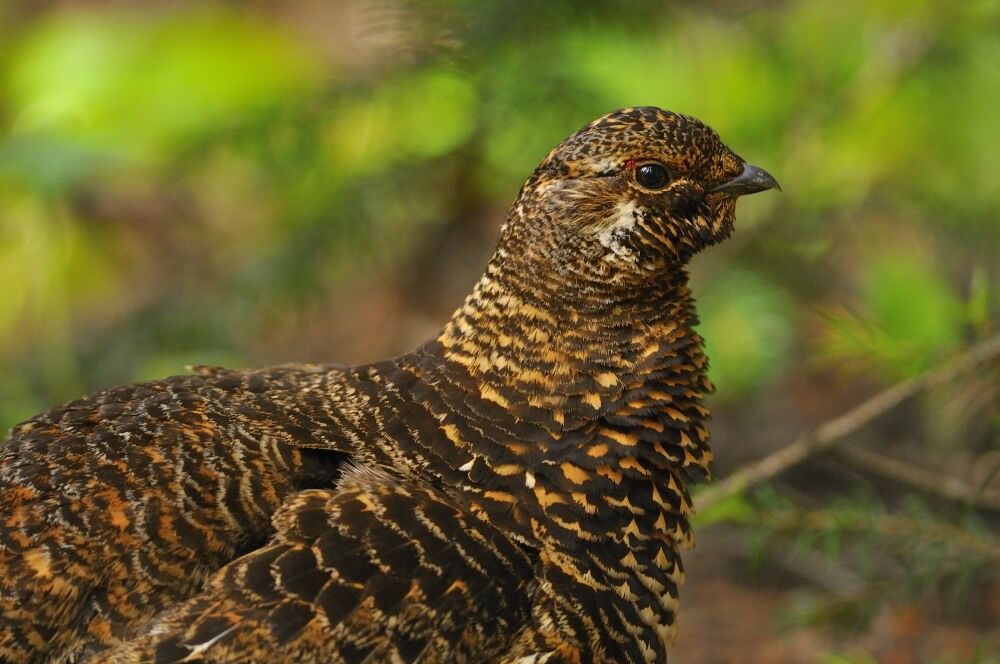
column 515, row 490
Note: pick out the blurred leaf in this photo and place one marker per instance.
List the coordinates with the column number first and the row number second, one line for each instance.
column 908, row 317
column 135, row 84
column 732, row 509
column 747, row 326
column 420, row 116
column 48, row 265
column 848, row 658
column 979, row 300
column 17, row 400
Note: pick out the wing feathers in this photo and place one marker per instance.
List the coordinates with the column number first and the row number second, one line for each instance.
column 378, row 570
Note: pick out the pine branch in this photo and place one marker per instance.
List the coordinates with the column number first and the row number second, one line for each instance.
column 898, row 528
column 836, row 430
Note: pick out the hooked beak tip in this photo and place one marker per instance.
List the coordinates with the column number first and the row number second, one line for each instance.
column 753, row 179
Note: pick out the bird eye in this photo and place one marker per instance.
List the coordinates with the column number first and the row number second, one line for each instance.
column 652, row 175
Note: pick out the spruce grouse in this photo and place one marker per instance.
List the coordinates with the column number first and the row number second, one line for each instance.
column 514, row 490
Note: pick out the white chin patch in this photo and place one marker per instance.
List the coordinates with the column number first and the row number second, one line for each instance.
column 622, row 223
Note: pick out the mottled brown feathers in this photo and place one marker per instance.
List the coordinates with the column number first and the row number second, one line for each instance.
column 514, row 490
column 377, row 568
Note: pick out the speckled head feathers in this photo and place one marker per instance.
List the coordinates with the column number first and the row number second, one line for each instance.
column 636, row 191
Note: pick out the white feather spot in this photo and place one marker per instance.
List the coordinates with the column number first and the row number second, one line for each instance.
column 621, row 222
column 535, row 658
column 198, row 650
column 605, row 165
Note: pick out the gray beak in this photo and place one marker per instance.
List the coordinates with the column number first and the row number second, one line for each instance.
column 750, row 181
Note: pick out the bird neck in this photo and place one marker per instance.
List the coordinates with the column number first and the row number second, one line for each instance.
column 571, row 422
column 603, row 380
column 563, row 341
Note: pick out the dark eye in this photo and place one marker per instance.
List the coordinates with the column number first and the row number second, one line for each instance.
column 652, row 175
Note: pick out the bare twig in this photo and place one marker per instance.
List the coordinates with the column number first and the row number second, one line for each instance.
column 921, row 479
column 837, row 429
column 984, row 484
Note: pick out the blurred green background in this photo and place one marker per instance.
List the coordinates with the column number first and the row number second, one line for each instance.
column 244, row 183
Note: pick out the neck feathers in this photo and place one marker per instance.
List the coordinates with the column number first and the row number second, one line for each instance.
column 581, row 426
column 572, row 351
column 575, row 405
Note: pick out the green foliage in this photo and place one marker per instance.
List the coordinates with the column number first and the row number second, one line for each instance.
column 901, row 553
column 848, row 658
column 135, row 86
column 748, row 327
column 736, row 508
column 983, row 655
column 908, row 316
column 419, row 116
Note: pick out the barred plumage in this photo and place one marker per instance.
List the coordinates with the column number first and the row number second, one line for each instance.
column 513, row 490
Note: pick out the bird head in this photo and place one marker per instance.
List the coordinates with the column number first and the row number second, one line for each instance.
column 637, row 191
